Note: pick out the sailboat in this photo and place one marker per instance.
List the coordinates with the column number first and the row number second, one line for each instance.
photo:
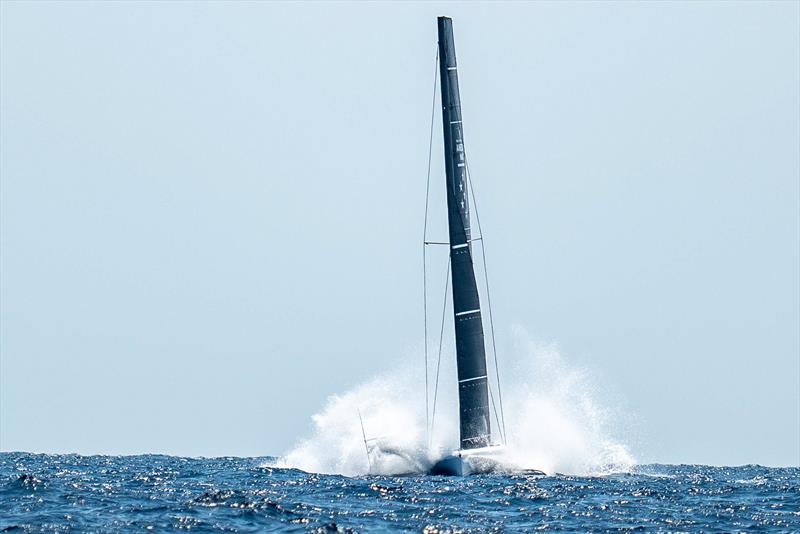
column 477, row 451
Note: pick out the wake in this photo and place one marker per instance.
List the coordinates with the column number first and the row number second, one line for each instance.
column 554, row 422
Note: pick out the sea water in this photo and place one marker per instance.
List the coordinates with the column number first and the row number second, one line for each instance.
column 71, row 493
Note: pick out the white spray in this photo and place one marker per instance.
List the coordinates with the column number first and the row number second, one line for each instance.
column 554, row 422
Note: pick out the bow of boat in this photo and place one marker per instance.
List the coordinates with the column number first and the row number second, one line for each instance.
column 479, row 461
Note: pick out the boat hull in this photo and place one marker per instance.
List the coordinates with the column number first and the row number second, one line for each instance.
column 449, row 466
column 476, row 462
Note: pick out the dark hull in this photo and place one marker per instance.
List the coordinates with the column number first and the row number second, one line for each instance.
column 460, row 466
column 451, row 466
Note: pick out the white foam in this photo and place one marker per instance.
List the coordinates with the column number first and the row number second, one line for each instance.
column 554, row 420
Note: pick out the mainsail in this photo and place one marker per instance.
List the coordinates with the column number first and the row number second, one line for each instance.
column 473, row 394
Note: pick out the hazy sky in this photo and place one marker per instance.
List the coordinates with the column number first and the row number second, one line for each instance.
column 212, row 213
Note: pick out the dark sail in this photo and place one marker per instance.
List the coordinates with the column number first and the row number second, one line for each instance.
column 473, row 395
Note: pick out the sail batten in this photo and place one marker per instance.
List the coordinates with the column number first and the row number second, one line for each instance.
column 473, row 395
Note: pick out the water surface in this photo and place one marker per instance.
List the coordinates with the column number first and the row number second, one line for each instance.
column 71, row 493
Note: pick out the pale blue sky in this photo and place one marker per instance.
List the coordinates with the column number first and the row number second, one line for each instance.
column 211, row 213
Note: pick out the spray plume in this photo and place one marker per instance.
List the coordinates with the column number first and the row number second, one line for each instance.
column 553, row 418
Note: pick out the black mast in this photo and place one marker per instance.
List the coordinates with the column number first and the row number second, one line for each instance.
column 473, row 393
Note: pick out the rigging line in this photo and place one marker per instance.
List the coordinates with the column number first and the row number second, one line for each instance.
column 364, row 435
column 488, row 297
column 494, row 407
column 439, row 357
column 425, row 237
